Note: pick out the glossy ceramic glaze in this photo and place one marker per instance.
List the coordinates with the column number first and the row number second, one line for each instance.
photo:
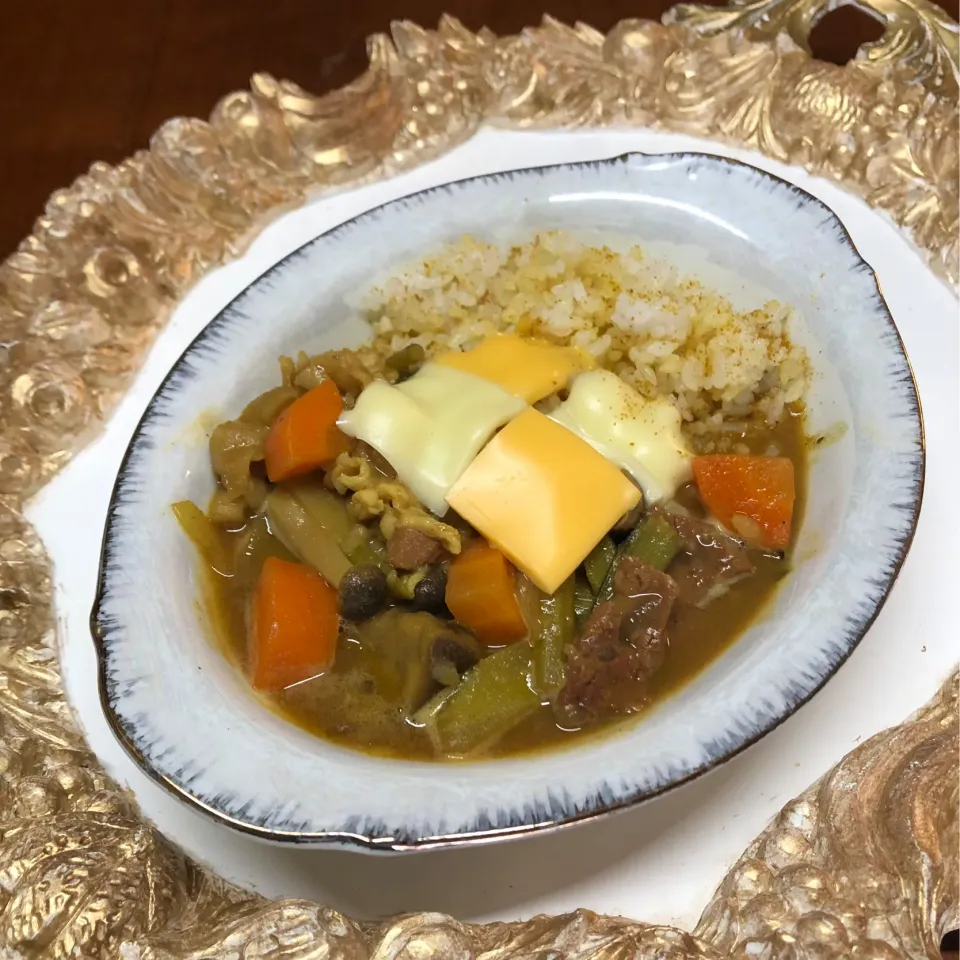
column 731, row 226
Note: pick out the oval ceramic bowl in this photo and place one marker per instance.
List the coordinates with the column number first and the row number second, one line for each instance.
column 189, row 719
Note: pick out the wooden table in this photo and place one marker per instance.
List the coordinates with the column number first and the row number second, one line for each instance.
column 85, row 80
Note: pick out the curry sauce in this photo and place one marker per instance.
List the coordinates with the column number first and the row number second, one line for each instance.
column 360, row 704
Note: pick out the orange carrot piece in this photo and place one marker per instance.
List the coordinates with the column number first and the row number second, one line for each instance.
column 751, row 495
column 293, row 627
column 305, row 436
column 481, row 594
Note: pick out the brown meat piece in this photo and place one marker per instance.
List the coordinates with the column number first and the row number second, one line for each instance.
column 622, row 645
column 235, row 447
column 343, row 367
column 408, row 549
column 711, row 562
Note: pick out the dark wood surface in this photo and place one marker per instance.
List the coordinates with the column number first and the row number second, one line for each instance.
column 85, row 80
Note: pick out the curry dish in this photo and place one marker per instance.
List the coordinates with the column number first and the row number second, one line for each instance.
column 486, row 551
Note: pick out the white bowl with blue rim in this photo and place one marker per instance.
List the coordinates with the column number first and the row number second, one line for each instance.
column 189, row 719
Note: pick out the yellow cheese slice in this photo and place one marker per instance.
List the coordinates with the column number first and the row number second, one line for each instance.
column 543, row 496
column 641, row 436
column 529, row 369
column 431, row 426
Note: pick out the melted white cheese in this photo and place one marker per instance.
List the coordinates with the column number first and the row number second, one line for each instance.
column 641, row 436
column 430, row 427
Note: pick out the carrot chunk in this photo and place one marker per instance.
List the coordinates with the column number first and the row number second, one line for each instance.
column 305, row 436
column 481, row 594
column 751, row 495
column 293, row 627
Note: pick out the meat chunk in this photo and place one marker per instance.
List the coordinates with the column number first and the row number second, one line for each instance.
column 235, row 447
column 622, row 645
column 711, row 561
column 408, row 549
column 344, row 367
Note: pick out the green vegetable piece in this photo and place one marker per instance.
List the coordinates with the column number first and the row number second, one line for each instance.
column 554, row 631
column 363, row 547
column 583, row 599
column 252, row 548
column 205, row 535
column 654, row 540
column 425, row 715
column 305, row 536
column 355, row 541
column 598, row 563
column 330, row 511
column 324, row 507
column 492, row 698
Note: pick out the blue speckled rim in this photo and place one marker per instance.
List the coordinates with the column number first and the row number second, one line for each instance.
column 370, row 837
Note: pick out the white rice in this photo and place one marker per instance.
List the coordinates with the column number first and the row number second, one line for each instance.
column 665, row 334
